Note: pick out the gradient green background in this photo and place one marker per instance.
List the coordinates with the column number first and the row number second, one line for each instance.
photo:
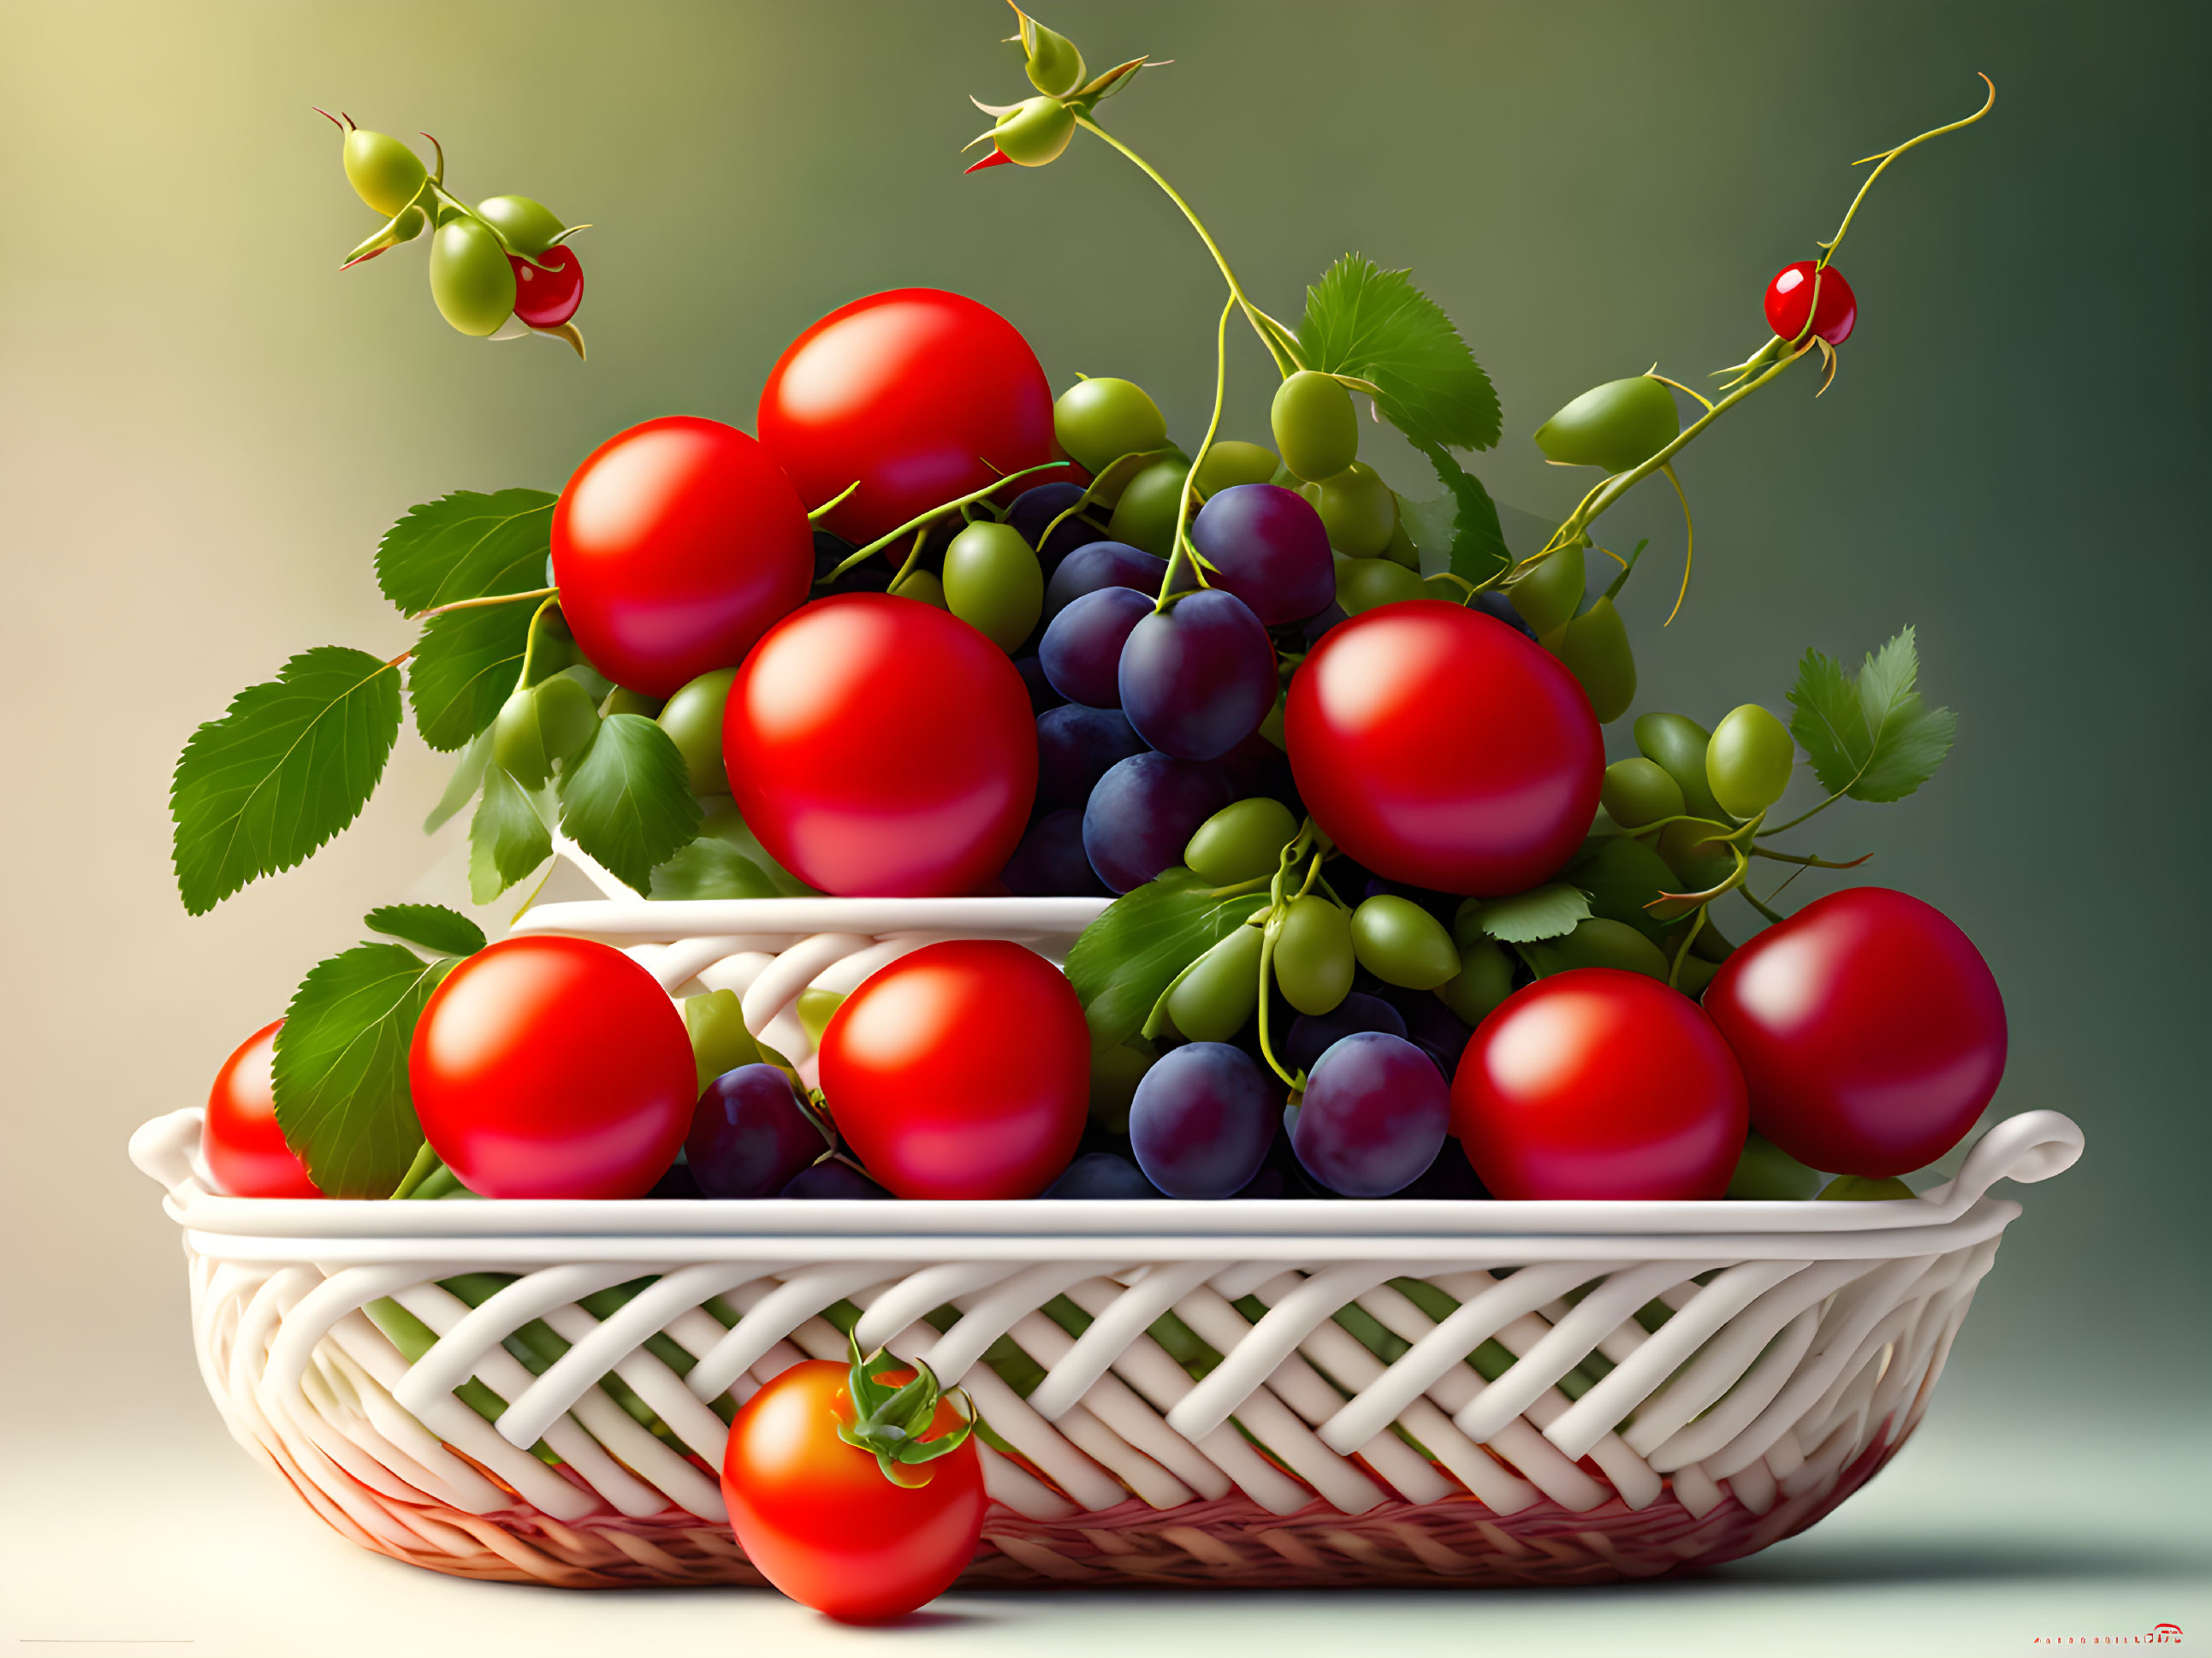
column 207, row 428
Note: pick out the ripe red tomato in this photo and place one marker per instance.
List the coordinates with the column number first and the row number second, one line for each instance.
column 1439, row 747
column 920, row 396
column 240, row 1140
column 879, row 746
column 1790, row 298
column 549, row 1067
column 1870, row 1031
column 961, row 1070
column 548, row 288
column 819, row 1518
column 1599, row 1083
column 675, row 545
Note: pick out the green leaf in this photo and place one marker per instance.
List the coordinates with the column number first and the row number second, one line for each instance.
column 1869, row 735
column 290, row 763
column 1127, row 957
column 711, row 867
column 340, row 1077
column 462, row 785
column 1622, row 875
column 466, row 545
column 1547, row 912
column 628, row 802
column 508, row 838
column 464, row 666
column 1460, row 525
column 447, row 932
column 1377, row 325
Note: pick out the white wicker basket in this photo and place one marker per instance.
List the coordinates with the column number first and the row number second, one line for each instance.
column 1281, row 1392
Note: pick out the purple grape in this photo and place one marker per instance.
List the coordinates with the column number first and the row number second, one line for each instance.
column 1270, row 549
column 1321, row 622
column 1431, row 1025
column 1042, row 697
column 1203, row 1120
column 1198, row 678
column 1082, row 650
column 676, row 1180
column 1036, row 508
column 831, row 550
column 1102, row 1175
column 1256, row 766
column 833, row 1178
column 1312, row 1034
column 1373, row 1118
column 1494, row 603
column 750, row 1134
column 1451, row 1176
column 1142, row 813
column 1101, row 564
column 1050, row 861
column 1076, row 747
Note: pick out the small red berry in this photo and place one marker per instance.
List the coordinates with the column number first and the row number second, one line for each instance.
column 1789, row 296
column 548, row 292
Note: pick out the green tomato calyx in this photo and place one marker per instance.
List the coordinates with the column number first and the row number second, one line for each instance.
column 890, row 1420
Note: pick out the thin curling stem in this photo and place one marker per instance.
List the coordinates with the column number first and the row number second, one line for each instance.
column 1190, row 478
column 1689, row 546
column 1888, row 155
column 1286, row 364
column 938, row 511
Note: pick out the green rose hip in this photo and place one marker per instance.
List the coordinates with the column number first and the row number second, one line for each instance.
column 383, row 171
column 1595, row 647
column 1548, row 594
column 470, row 278
column 1616, row 425
column 529, row 226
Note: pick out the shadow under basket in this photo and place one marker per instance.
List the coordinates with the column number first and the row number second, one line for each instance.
column 1279, row 1393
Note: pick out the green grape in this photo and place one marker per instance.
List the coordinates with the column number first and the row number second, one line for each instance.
column 724, row 822
column 919, row 584
column 567, row 718
column 622, row 700
column 1865, row 1188
column 1766, row 1173
column 1364, row 583
column 1035, row 131
column 993, row 583
column 1678, row 744
column 1241, row 841
column 1055, row 66
column 1221, row 992
column 517, row 747
column 1313, row 954
column 1402, row 944
column 1598, row 942
column 1316, row 429
column 1230, row 463
column 1594, row 649
column 1359, row 511
column 1694, row 974
column 1623, row 874
column 470, row 278
column 530, row 227
column 720, row 1041
column 1698, row 861
column 1402, row 549
column 814, row 1007
column 1115, row 1075
column 1616, row 426
column 1144, row 517
column 1099, row 420
column 383, row 171
column 1485, row 979
column 693, row 717
column 1748, row 761
column 1551, row 592
column 1639, row 792
column 556, row 650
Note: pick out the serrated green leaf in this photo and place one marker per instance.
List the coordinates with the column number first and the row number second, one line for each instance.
column 1545, row 911
column 1869, row 735
column 466, row 545
column 462, row 785
column 290, row 763
column 628, row 802
column 711, row 867
column 1459, row 530
column 464, row 666
column 433, row 926
column 1127, row 957
column 340, row 1076
column 1376, row 325
column 507, row 838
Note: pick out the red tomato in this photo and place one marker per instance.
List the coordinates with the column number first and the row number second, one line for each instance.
column 1870, row 1031
column 961, row 1070
column 244, row 1149
column 917, row 395
column 549, row 288
column 1439, row 747
column 822, row 1522
column 675, row 545
column 880, row 747
column 1599, row 1083
column 553, row 1068
column 1789, row 299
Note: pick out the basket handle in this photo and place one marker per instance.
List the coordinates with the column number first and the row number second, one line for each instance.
column 2032, row 1146
column 164, row 1150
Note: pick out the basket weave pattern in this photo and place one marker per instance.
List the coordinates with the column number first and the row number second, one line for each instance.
column 1381, row 1393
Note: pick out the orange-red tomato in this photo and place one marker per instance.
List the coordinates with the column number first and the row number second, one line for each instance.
column 820, row 1522
column 240, row 1140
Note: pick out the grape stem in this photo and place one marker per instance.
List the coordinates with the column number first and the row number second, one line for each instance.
column 1177, row 546
column 935, row 511
column 1285, row 861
